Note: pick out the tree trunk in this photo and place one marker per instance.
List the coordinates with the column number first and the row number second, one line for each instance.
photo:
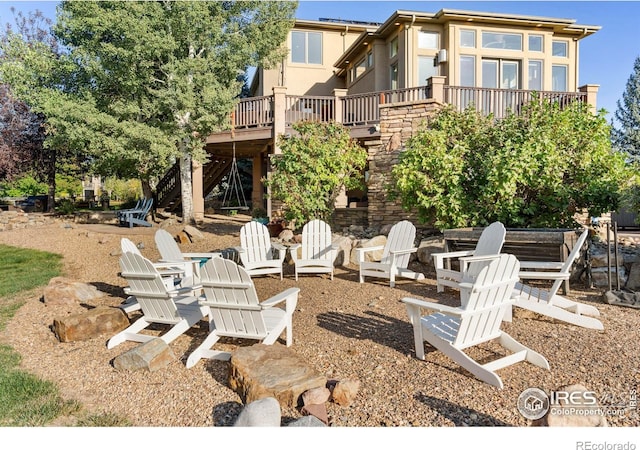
column 186, row 188
column 51, row 181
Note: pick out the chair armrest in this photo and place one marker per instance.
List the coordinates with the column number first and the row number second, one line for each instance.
column 362, row 250
column 290, row 296
column 449, row 310
column 207, row 255
column 403, row 251
column 546, row 265
column 278, row 246
column 438, row 258
column 295, row 246
column 240, row 249
column 528, row 275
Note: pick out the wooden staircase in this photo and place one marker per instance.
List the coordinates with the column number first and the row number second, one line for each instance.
column 168, row 190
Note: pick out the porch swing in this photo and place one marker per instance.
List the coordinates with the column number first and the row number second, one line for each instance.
column 234, row 186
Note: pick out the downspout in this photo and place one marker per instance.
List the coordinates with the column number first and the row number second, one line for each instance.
column 344, row 38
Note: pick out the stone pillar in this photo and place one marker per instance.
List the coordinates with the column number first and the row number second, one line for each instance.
column 279, row 115
column 437, row 88
column 339, row 94
column 592, row 95
column 342, row 201
column 198, row 191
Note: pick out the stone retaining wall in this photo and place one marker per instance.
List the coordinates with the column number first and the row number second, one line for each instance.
column 12, row 220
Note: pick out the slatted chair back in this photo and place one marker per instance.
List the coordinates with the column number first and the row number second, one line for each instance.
column 485, row 294
column 167, row 246
column 146, row 285
column 232, row 300
column 316, row 241
column 256, row 242
column 401, row 236
column 491, row 240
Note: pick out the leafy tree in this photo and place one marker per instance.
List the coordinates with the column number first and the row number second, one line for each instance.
column 164, row 75
column 627, row 138
column 314, row 165
column 534, row 169
column 23, row 186
column 21, row 136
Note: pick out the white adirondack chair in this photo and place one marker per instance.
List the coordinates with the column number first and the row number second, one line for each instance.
column 485, row 294
column 234, row 309
column 548, row 302
column 170, row 252
column 158, row 304
column 173, row 276
column 395, row 255
column 258, row 255
column 490, row 243
column 318, row 252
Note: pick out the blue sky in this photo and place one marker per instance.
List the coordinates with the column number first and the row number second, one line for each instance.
column 606, row 58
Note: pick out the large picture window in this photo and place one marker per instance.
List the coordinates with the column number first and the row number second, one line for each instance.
column 506, row 41
column 306, row 47
column 426, row 69
column 467, row 71
column 535, row 75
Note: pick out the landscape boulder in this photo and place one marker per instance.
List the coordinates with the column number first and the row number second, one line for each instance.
column 90, row 324
column 64, row 291
column 152, row 355
column 264, row 412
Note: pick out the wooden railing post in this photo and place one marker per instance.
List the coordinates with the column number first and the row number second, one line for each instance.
column 279, row 115
column 339, row 94
column 437, row 88
column 592, row 95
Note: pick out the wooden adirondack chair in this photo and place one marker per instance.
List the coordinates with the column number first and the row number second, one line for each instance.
column 485, row 294
column 234, row 309
column 548, row 302
column 490, row 243
column 318, row 251
column 395, row 255
column 258, row 255
column 158, row 304
column 137, row 216
column 173, row 276
column 121, row 212
column 190, row 261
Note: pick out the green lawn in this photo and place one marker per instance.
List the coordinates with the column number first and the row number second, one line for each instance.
column 26, row 400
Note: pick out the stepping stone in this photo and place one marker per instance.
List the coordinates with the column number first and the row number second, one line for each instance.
column 261, row 371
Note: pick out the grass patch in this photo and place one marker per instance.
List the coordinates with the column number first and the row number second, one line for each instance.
column 25, row 399
column 24, row 269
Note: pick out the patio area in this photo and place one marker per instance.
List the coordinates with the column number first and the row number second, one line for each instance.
column 345, row 330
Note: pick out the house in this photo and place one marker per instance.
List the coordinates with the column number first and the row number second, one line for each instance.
column 380, row 79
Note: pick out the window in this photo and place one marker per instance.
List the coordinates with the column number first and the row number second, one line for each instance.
column 361, row 66
column 394, row 76
column 428, row 39
column 468, row 38
column 426, row 69
column 559, row 78
column 498, row 73
column 306, row 47
column 535, row 75
column 393, row 48
column 535, row 42
column 467, row 71
column 370, row 59
column 507, row 41
column 559, row 48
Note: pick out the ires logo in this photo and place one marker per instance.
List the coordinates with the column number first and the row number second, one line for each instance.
column 574, row 398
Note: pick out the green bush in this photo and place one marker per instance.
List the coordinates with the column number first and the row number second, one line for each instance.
column 314, row 164
column 66, row 207
column 534, row 169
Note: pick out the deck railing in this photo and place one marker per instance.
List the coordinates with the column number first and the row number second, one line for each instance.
column 364, row 109
column 499, row 101
column 253, row 112
column 306, row 107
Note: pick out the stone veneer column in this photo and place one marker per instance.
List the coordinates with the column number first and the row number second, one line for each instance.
column 398, row 123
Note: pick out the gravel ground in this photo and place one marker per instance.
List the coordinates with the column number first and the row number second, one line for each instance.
column 342, row 328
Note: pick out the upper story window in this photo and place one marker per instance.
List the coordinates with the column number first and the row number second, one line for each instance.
column 506, row 41
column 467, row 70
column 536, row 42
column 468, row 38
column 559, row 48
column 393, row 47
column 360, row 67
column 393, row 76
column 428, row 40
column 306, row 47
column 426, row 69
column 370, row 59
column 535, row 75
